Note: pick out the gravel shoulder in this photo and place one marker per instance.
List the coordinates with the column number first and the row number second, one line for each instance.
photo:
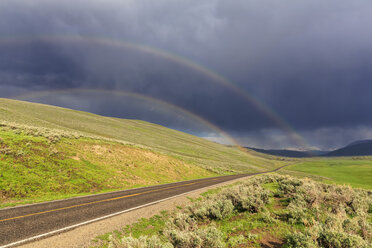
column 83, row 235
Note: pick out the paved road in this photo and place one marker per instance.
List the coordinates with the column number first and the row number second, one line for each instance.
column 27, row 222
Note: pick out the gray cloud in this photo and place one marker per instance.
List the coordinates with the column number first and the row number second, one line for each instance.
column 309, row 61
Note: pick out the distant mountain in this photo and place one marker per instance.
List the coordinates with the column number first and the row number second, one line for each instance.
column 360, row 142
column 357, row 148
column 290, row 153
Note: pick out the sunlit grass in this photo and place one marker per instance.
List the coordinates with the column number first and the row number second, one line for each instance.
column 34, row 169
column 191, row 149
column 356, row 172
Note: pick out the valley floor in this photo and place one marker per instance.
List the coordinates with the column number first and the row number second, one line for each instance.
column 353, row 171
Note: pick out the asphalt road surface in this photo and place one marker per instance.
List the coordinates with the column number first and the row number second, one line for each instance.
column 23, row 224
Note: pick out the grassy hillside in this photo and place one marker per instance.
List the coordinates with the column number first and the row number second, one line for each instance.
column 48, row 152
column 34, row 167
column 210, row 155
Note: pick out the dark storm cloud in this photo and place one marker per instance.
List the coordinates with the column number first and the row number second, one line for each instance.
column 37, row 64
column 309, row 61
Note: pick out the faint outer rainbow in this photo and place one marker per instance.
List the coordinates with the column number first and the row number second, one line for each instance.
column 122, row 93
column 263, row 108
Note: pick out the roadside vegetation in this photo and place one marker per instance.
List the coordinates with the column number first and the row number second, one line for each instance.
column 263, row 211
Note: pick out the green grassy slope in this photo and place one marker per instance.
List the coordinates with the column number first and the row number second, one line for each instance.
column 48, row 152
column 36, row 169
column 219, row 158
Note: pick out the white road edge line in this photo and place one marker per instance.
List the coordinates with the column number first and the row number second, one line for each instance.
column 103, row 217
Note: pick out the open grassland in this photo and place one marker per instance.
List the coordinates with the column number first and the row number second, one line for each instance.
column 264, row 211
column 354, row 171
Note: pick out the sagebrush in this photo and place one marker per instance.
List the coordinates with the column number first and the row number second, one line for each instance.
column 316, row 215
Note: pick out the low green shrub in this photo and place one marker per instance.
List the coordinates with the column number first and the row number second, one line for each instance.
column 142, row 242
column 322, row 215
column 182, row 222
column 247, row 197
column 212, row 209
column 336, row 216
column 183, row 231
column 334, row 239
column 209, row 237
column 266, row 217
column 236, row 240
column 299, row 240
column 288, row 185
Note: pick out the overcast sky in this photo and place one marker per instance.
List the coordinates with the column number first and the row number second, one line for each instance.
column 309, row 62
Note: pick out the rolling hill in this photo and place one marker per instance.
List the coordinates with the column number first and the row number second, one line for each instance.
column 290, row 153
column 357, row 148
column 48, row 152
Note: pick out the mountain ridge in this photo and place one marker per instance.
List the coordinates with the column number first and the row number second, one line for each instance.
column 356, row 148
column 290, row 153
